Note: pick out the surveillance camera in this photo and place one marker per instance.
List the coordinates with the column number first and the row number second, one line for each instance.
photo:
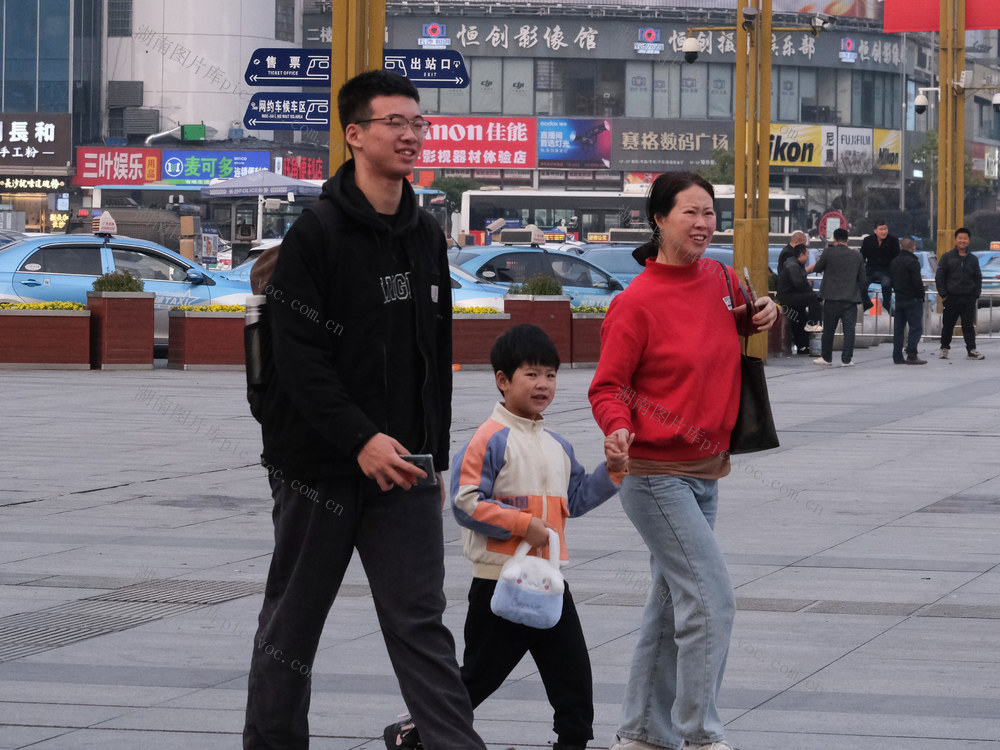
column 749, row 15
column 920, row 104
column 497, row 225
column 691, row 48
column 996, row 102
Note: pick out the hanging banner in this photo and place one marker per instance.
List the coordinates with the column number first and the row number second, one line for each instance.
column 925, row 15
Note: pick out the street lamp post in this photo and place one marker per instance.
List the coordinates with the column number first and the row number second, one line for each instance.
column 951, row 126
column 358, row 33
column 753, row 147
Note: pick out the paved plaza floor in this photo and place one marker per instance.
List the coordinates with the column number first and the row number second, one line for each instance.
column 865, row 553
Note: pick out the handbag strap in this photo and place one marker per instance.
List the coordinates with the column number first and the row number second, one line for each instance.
column 524, row 547
column 746, row 324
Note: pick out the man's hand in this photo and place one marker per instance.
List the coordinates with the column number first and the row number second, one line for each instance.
column 538, row 533
column 380, row 460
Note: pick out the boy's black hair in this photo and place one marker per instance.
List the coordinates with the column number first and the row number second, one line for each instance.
column 354, row 99
column 840, row 234
column 523, row 345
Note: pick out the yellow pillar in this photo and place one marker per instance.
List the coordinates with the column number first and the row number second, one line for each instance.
column 752, row 145
column 358, row 35
column 951, row 128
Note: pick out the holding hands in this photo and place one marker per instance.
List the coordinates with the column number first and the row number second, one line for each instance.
column 616, row 447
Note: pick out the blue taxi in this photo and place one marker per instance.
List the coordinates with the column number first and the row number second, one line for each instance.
column 63, row 267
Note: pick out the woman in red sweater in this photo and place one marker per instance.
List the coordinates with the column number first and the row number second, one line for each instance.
column 667, row 389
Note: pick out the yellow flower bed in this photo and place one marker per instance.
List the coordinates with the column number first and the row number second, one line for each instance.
column 588, row 309
column 210, row 308
column 42, row 306
column 475, row 310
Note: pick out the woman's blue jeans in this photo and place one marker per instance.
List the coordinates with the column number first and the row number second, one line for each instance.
column 680, row 658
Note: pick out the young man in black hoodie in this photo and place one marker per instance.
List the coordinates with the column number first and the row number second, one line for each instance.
column 360, row 313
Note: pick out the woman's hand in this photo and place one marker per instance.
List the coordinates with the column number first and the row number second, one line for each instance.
column 767, row 313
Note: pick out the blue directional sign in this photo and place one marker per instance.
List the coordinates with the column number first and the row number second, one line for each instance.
column 288, row 111
column 428, row 68
column 275, row 66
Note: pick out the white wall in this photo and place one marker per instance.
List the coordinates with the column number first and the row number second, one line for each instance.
column 193, row 59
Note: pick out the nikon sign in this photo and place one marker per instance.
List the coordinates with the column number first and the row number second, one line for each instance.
column 805, row 149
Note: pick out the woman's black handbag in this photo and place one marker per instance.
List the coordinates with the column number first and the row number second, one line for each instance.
column 754, row 430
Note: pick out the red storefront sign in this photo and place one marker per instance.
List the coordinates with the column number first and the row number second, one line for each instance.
column 480, row 142
column 99, row 165
column 301, row 167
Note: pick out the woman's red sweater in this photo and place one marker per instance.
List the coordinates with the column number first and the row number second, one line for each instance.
column 669, row 369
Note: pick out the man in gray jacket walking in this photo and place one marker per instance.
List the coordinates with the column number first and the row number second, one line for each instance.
column 844, row 279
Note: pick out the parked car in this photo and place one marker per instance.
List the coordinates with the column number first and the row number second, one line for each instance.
column 615, row 259
column 991, row 284
column 466, row 289
column 584, row 282
column 51, row 268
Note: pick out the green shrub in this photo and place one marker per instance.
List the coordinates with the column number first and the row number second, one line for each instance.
column 538, row 284
column 119, row 281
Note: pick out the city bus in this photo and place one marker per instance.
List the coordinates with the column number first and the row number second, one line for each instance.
column 596, row 211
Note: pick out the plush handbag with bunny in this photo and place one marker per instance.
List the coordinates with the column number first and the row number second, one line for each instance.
column 530, row 589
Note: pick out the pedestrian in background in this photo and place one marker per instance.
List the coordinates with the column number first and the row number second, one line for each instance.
column 959, row 282
column 669, row 374
column 789, row 250
column 841, row 290
column 878, row 249
column 909, row 312
column 356, row 389
column 800, row 303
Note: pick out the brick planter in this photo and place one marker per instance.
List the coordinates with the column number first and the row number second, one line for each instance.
column 472, row 336
column 45, row 339
column 121, row 330
column 586, row 337
column 200, row 340
column 550, row 313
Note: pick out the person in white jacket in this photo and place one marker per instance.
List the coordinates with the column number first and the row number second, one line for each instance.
column 513, row 482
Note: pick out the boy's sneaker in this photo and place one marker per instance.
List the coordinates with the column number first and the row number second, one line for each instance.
column 402, row 734
column 975, row 355
column 943, row 354
column 720, row 745
column 634, row 745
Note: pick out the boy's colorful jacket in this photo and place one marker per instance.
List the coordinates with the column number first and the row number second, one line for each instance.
column 511, row 470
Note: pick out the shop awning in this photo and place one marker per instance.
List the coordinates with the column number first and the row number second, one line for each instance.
column 259, row 183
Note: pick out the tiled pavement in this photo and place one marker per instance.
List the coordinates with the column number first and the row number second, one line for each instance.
column 135, row 538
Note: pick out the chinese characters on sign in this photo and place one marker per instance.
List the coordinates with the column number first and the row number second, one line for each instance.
column 31, row 183
column 301, row 167
column 116, row 166
column 34, row 139
column 494, row 142
column 527, row 37
column 200, row 167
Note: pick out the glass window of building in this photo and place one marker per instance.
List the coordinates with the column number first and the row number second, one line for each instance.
column 119, row 17
column 518, row 87
column 20, row 57
column 486, row 86
column 788, row 94
column 549, row 91
column 456, row 101
column 639, row 88
column 53, row 54
column 694, row 91
column 284, row 20
column 720, row 90
column 666, row 90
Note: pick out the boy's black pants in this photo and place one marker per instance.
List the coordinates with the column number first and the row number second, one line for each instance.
column 494, row 646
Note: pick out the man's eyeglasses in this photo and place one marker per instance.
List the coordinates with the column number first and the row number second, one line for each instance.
column 418, row 125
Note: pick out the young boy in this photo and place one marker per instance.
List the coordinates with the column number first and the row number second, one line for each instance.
column 514, row 481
